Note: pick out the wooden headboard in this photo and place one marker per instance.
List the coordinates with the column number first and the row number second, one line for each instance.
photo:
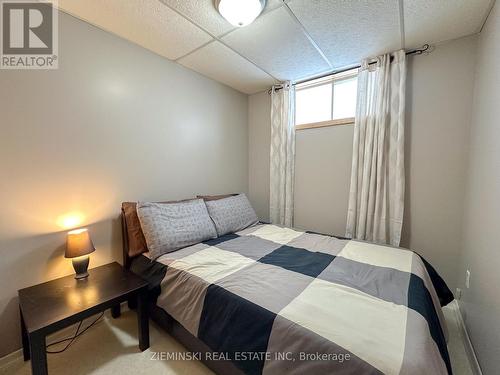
column 126, row 258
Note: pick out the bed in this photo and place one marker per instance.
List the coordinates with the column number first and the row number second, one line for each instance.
column 274, row 300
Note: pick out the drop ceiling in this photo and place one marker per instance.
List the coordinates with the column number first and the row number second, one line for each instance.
column 291, row 40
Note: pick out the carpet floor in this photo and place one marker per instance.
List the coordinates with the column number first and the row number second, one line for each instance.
column 110, row 347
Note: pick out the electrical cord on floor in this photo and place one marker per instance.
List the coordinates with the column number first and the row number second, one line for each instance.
column 72, row 338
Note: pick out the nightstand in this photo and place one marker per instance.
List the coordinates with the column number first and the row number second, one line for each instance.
column 51, row 306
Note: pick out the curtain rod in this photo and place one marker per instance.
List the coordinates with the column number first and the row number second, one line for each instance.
column 416, row 51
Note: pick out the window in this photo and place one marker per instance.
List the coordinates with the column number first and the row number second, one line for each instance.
column 326, row 101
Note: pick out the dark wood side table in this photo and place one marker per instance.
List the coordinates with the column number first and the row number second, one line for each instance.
column 48, row 307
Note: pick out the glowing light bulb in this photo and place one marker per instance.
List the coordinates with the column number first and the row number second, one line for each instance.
column 70, row 220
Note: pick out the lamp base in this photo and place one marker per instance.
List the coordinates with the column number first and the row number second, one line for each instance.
column 81, row 265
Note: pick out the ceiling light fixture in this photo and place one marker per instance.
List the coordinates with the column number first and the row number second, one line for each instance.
column 240, row 12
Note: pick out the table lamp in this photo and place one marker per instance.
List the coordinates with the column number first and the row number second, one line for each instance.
column 78, row 247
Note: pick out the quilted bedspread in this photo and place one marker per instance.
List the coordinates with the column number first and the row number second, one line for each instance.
column 281, row 301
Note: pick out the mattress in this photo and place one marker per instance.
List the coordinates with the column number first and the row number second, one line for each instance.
column 275, row 300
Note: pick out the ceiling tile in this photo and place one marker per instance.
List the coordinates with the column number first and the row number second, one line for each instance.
column 148, row 23
column 431, row 21
column 273, row 4
column 348, row 31
column 218, row 62
column 276, row 43
column 203, row 13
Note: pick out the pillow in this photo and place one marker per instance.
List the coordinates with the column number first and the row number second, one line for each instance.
column 169, row 227
column 214, row 197
column 136, row 241
column 231, row 214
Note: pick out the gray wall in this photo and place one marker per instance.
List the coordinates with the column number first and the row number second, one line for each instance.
column 481, row 251
column 322, row 178
column 439, row 102
column 259, row 143
column 115, row 122
column 439, row 107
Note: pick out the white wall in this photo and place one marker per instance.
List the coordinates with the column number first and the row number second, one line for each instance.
column 481, row 255
column 115, row 122
column 439, row 96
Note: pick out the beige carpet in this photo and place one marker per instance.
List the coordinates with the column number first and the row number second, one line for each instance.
column 110, row 347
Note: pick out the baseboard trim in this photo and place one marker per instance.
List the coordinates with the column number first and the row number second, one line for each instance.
column 11, row 357
column 469, row 349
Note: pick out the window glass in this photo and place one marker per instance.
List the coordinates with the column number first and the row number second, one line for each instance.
column 344, row 98
column 327, row 99
column 313, row 104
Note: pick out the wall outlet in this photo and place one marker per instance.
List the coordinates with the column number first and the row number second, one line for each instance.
column 458, row 294
column 467, row 279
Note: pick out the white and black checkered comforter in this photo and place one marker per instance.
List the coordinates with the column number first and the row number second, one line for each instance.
column 295, row 295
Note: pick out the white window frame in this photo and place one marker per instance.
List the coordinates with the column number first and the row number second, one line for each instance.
column 318, row 82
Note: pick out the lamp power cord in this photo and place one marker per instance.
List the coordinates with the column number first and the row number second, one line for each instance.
column 71, row 339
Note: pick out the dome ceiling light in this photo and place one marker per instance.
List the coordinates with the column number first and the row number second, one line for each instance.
column 240, row 13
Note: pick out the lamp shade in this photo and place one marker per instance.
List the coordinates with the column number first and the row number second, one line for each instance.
column 78, row 243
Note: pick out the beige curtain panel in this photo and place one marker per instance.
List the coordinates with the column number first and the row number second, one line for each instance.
column 376, row 196
column 282, row 155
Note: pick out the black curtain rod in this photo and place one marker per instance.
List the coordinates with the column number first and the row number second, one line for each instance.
column 417, row 51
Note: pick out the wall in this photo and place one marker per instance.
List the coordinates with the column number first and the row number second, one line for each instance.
column 439, row 97
column 115, row 122
column 322, row 178
column 259, row 143
column 480, row 303
column 439, row 107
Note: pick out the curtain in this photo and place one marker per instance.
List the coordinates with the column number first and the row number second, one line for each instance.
column 376, row 196
column 282, row 154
